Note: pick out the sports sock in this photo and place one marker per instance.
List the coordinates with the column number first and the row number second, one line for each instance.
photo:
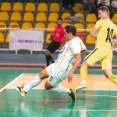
column 83, row 82
column 47, row 60
column 50, row 57
column 61, row 89
column 83, row 73
column 113, row 78
column 32, row 84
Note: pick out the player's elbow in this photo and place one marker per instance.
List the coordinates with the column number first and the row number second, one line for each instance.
column 93, row 32
column 85, row 50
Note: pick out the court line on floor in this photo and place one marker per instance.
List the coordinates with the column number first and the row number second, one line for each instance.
column 10, row 82
column 83, row 110
column 94, row 95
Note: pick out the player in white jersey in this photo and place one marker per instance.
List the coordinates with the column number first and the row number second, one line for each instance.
column 66, row 57
column 65, row 65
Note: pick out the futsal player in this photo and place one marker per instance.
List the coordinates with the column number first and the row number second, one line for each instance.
column 67, row 62
column 105, row 30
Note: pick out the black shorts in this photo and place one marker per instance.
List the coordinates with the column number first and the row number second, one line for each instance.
column 53, row 46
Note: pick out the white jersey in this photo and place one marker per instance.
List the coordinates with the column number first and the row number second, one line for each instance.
column 66, row 57
column 59, row 70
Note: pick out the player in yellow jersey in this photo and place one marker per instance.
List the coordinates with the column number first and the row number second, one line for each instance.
column 105, row 30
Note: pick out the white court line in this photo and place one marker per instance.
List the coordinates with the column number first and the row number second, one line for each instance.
column 95, row 95
column 10, row 82
column 83, row 110
column 91, row 75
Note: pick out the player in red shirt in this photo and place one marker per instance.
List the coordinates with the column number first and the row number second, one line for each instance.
column 57, row 40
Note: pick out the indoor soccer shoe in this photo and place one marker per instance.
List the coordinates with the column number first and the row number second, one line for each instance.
column 20, row 89
column 73, row 94
column 81, row 86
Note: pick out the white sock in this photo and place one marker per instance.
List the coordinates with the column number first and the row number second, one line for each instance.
column 59, row 88
column 32, row 84
column 83, row 82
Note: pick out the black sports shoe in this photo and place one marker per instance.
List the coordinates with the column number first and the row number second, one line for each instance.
column 73, row 94
column 20, row 89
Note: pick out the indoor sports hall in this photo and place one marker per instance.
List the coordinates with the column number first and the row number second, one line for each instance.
column 22, row 58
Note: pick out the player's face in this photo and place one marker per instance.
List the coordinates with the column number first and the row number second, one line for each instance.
column 59, row 22
column 102, row 15
column 67, row 37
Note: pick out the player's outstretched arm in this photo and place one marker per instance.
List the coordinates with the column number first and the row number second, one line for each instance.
column 75, row 66
column 83, row 52
column 93, row 33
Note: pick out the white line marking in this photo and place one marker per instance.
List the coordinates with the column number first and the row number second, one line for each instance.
column 91, row 75
column 95, row 95
column 83, row 110
column 10, row 82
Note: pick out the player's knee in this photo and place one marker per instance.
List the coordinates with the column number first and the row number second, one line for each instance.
column 107, row 73
column 47, row 86
column 42, row 75
column 45, row 52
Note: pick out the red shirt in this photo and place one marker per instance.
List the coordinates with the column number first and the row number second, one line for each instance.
column 58, row 34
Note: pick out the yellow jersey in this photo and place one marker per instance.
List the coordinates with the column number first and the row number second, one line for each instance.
column 106, row 30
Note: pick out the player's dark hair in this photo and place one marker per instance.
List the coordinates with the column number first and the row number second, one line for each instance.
column 66, row 27
column 104, row 9
column 71, row 29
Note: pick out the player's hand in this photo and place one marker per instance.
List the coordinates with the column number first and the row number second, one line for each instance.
column 70, row 76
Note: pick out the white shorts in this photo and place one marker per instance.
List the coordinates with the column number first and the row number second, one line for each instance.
column 56, row 74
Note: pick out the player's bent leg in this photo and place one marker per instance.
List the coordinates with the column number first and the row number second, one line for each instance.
column 59, row 88
column 54, row 81
column 48, row 86
column 107, row 72
column 83, row 75
column 110, row 76
column 36, row 81
column 113, row 78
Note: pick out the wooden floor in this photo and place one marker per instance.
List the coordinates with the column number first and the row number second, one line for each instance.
column 94, row 82
column 98, row 100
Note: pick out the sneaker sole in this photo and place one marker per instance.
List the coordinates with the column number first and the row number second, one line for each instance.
column 19, row 91
column 83, row 87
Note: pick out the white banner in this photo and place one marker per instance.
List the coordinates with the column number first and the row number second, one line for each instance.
column 26, row 39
